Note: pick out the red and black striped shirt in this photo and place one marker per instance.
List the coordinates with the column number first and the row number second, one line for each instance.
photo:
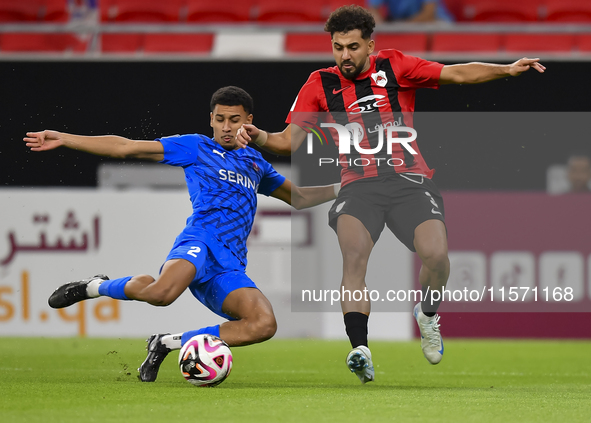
column 382, row 96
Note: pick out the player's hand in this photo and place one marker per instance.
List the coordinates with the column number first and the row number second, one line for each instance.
column 247, row 133
column 43, row 141
column 525, row 64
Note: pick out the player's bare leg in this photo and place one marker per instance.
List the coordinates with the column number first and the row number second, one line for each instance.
column 356, row 245
column 255, row 318
column 176, row 276
column 431, row 245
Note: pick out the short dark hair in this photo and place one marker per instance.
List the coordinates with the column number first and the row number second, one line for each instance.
column 232, row 96
column 348, row 18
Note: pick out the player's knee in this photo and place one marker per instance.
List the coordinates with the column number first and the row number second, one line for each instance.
column 436, row 260
column 355, row 258
column 265, row 327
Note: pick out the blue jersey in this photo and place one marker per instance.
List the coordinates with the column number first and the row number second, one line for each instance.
column 223, row 187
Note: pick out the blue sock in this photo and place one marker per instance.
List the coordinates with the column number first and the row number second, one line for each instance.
column 211, row 330
column 114, row 288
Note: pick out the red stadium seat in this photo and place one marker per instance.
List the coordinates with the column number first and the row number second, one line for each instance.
column 540, row 42
column 178, row 43
column 308, row 43
column 584, row 43
column 141, row 10
column 415, row 42
column 20, row 11
column 131, row 43
column 290, row 11
column 122, row 43
column 576, row 11
column 227, row 11
column 501, row 10
column 41, row 43
column 466, row 42
column 55, row 11
column 34, row 10
column 455, row 7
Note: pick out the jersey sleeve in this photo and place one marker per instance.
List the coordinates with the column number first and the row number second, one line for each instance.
column 271, row 180
column 306, row 104
column 180, row 150
column 414, row 72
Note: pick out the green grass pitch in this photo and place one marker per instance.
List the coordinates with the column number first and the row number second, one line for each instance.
column 95, row 380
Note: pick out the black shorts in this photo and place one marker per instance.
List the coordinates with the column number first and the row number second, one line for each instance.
column 401, row 201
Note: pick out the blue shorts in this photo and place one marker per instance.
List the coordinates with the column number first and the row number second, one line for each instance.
column 217, row 271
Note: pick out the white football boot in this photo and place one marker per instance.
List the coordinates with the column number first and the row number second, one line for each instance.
column 359, row 362
column 431, row 341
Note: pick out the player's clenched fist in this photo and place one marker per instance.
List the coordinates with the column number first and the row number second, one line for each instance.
column 43, row 141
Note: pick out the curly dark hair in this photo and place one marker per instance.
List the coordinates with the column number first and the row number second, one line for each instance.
column 232, row 96
column 348, row 18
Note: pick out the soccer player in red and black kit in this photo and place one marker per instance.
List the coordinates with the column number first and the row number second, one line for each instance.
column 380, row 89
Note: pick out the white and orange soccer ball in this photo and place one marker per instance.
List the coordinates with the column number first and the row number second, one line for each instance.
column 205, row 360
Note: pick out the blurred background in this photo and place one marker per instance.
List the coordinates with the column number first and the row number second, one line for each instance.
column 511, row 156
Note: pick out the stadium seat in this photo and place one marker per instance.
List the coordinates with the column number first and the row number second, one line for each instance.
column 501, row 10
column 122, row 43
column 415, row 42
column 584, row 43
column 55, row 11
column 540, row 42
column 227, row 11
column 178, row 43
column 34, row 10
column 455, row 7
column 307, row 43
column 466, row 42
column 141, row 10
column 41, row 43
column 574, row 11
column 20, row 11
column 292, row 11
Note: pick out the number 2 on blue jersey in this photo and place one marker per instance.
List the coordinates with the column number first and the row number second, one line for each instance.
column 193, row 251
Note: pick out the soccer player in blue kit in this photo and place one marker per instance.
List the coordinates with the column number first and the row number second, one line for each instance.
column 209, row 256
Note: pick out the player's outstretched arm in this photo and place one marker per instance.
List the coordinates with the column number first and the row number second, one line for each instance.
column 282, row 143
column 107, row 145
column 475, row 73
column 304, row 197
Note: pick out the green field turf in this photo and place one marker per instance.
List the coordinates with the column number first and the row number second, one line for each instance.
column 95, row 380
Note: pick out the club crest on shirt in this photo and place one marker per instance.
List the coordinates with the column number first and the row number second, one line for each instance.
column 380, row 78
column 256, row 167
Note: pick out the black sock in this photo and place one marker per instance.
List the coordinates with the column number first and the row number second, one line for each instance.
column 356, row 327
column 429, row 309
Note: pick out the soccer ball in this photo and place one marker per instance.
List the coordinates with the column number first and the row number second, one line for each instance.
column 205, row 360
